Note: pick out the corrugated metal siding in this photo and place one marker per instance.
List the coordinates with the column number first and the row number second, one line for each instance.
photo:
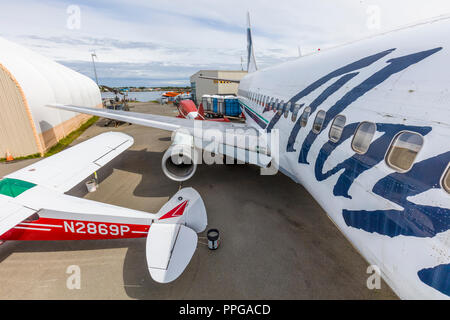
column 16, row 134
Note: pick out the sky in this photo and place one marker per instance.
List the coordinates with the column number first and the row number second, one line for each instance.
column 162, row 43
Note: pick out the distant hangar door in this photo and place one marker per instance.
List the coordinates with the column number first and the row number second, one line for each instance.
column 16, row 131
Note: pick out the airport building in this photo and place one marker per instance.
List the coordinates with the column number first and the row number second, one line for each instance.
column 28, row 82
column 201, row 86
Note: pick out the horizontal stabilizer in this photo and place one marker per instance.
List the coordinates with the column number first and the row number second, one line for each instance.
column 169, row 249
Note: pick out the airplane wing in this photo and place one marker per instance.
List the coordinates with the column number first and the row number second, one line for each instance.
column 36, row 192
column 63, row 171
column 11, row 214
column 236, row 135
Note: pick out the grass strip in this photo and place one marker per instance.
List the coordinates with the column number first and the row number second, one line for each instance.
column 66, row 141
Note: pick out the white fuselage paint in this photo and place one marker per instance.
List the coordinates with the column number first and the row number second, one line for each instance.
column 418, row 95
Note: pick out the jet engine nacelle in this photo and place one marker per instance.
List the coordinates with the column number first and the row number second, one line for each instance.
column 179, row 162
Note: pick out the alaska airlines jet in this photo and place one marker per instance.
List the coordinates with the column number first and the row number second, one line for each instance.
column 365, row 128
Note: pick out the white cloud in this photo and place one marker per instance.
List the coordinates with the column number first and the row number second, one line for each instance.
column 196, row 34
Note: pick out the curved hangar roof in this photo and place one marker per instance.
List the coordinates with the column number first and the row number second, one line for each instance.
column 29, row 81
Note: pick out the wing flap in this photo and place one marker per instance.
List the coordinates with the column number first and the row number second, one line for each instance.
column 62, row 171
column 12, row 214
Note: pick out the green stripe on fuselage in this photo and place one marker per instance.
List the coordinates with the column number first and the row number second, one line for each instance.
column 256, row 113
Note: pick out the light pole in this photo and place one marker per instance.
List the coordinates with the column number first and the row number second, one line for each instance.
column 93, row 63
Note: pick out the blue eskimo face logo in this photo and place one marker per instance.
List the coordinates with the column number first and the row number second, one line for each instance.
column 414, row 220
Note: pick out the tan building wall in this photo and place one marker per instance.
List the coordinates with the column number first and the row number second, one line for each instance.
column 51, row 137
column 206, row 86
column 17, row 132
column 229, row 87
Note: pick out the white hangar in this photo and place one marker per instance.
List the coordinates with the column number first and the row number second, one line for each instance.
column 29, row 81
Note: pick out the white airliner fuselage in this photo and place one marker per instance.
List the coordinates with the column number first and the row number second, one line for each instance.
column 397, row 216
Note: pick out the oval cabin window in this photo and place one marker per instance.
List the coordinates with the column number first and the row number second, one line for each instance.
column 305, row 116
column 280, row 108
column 287, row 109
column 318, row 122
column 446, row 180
column 295, row 112
column 403, row 151
column 336, row 128
column 271, row 103
column 363, row 137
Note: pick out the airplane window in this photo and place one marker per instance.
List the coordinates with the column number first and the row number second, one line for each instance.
column 446, row 180
column 287, row 109
column 318, row 122
column 295, row 112
column 281, row 107
column 403, row 150
column 363, row 137
column 305, row 116
column 336, row 128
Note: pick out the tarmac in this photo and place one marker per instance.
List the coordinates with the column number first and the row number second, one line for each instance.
column 276, row 241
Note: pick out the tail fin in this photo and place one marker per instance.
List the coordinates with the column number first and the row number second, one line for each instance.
column 185, row 207
column 172, row 239
column 251, row 62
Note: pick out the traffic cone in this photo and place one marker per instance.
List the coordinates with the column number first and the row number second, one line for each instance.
column 9, row 157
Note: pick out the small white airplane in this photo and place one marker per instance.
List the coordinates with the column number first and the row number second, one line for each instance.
column 33, row 206
column 365, row 128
